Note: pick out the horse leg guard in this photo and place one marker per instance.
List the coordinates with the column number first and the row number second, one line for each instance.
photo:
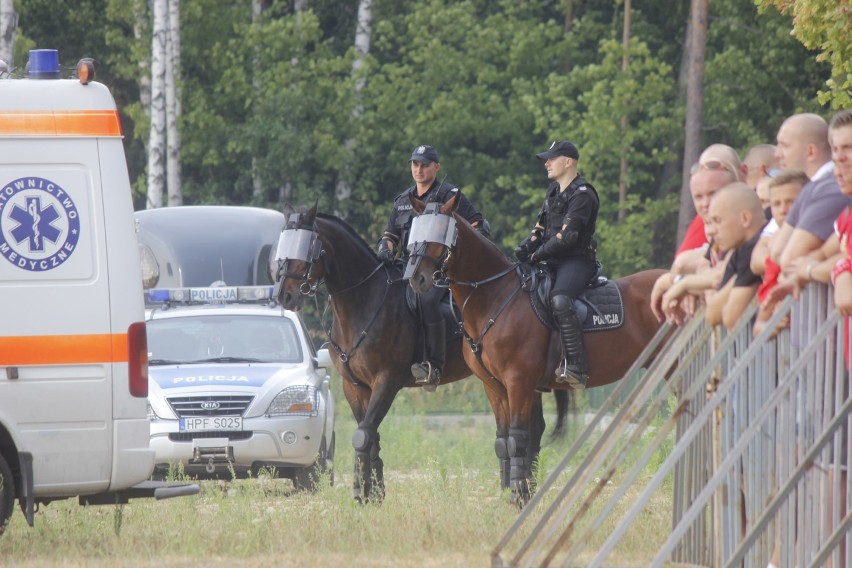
column 518, row 444
column 536, row 432
column 501, row 448
column 377, row 470
column 362, row 441
column 576, row 371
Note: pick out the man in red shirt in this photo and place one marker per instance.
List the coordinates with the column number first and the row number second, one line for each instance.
column 717, row 166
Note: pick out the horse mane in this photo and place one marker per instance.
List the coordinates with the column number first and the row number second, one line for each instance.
column 461, row 221
column 346, row 227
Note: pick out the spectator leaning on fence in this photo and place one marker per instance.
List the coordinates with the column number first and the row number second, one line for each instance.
column 803, row 145
column 840, row 136
column 717, row 166
column 735, row 222
column 759, row 161
column 738, row 219
column 783, row 190
column 841, row 153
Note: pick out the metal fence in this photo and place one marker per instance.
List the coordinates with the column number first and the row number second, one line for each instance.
column 750, row 459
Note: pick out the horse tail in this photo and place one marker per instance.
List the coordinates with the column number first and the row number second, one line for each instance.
column 564, row 401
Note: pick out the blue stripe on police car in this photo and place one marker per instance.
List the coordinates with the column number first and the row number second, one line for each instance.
column 178, row 377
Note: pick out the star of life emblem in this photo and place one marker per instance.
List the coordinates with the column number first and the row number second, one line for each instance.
column 39, row 224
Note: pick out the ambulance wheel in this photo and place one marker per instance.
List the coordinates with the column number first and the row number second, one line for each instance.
column 7, row 494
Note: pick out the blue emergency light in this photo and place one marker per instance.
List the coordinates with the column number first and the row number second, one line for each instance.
column 43, row 64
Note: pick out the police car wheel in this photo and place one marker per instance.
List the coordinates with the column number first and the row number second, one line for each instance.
column 309, row 478
column 7, row 494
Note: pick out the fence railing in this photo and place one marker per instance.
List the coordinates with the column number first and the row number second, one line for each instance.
column 760, row 431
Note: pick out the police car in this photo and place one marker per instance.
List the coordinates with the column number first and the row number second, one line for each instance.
column 236, row 387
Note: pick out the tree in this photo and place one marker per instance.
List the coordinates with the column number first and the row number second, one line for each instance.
column 157, row 133
column 173, row 105
column 825, row 26
column 694, row 108
column 343, row 191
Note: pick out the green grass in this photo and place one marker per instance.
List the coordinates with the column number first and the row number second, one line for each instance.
column 443, row 508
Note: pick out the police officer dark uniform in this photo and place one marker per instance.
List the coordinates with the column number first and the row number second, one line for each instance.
column 425, row 165
column 563, row 238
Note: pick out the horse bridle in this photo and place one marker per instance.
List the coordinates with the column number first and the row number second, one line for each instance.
column 298, row 243
column 431, row 226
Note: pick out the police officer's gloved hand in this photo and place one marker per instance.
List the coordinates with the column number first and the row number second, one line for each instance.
column 386, row 255
column 526, row 249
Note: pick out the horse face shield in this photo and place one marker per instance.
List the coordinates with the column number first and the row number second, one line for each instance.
column 429, row 227
column 297, row 244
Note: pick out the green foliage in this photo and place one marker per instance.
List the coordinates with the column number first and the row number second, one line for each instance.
column 628, row 246
column 756, row 75
column 274, row 100
column 823, row 25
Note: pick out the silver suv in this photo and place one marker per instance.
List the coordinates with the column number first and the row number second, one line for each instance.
column 236, row 386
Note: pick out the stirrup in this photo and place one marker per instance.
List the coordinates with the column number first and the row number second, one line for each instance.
column 573, row 378
column 426, row 375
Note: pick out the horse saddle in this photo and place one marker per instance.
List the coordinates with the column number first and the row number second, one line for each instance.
column 600, row 306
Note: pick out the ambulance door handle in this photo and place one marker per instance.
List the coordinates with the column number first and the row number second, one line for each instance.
column 11, row 373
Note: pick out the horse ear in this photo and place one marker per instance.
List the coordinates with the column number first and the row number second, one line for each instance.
column 417, row 204
column 449, row 207
column 311, row 214
column 287, row 210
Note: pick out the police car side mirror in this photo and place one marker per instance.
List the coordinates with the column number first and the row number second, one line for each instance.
column 323, row 360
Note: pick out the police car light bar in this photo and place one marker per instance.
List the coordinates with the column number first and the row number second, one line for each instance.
column 211, row 295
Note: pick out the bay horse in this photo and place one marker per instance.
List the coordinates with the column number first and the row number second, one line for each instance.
column 374, row 335
column 511, row 350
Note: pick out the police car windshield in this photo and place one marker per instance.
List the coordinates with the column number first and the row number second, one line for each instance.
column 223, row 339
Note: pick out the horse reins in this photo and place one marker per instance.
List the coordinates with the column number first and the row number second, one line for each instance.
column 445, row 281
column 310, row 290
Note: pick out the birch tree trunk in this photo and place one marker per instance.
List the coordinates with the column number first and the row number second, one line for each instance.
column 257, row 8
column 363, row 34
column 156, row 138
column 8, row 23
column 694, row 110
column 140, row 25
column 173, row 106
column 625, row 63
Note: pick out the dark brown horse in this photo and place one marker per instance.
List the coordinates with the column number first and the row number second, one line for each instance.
column 374, row 335
column 513, row 352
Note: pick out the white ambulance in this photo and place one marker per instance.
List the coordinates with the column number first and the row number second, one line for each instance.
column 73, row 352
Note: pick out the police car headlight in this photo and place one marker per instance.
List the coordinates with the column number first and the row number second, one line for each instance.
column 301, row 400
column 150, row 268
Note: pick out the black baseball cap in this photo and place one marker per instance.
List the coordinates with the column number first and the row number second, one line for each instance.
column 560, row 148
column 425, row 155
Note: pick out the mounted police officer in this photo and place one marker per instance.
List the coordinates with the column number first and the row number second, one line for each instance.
column 563, row 238
column 425, row 166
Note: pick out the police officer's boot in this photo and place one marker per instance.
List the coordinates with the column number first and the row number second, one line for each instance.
column 575, row 372
column 428, row 372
